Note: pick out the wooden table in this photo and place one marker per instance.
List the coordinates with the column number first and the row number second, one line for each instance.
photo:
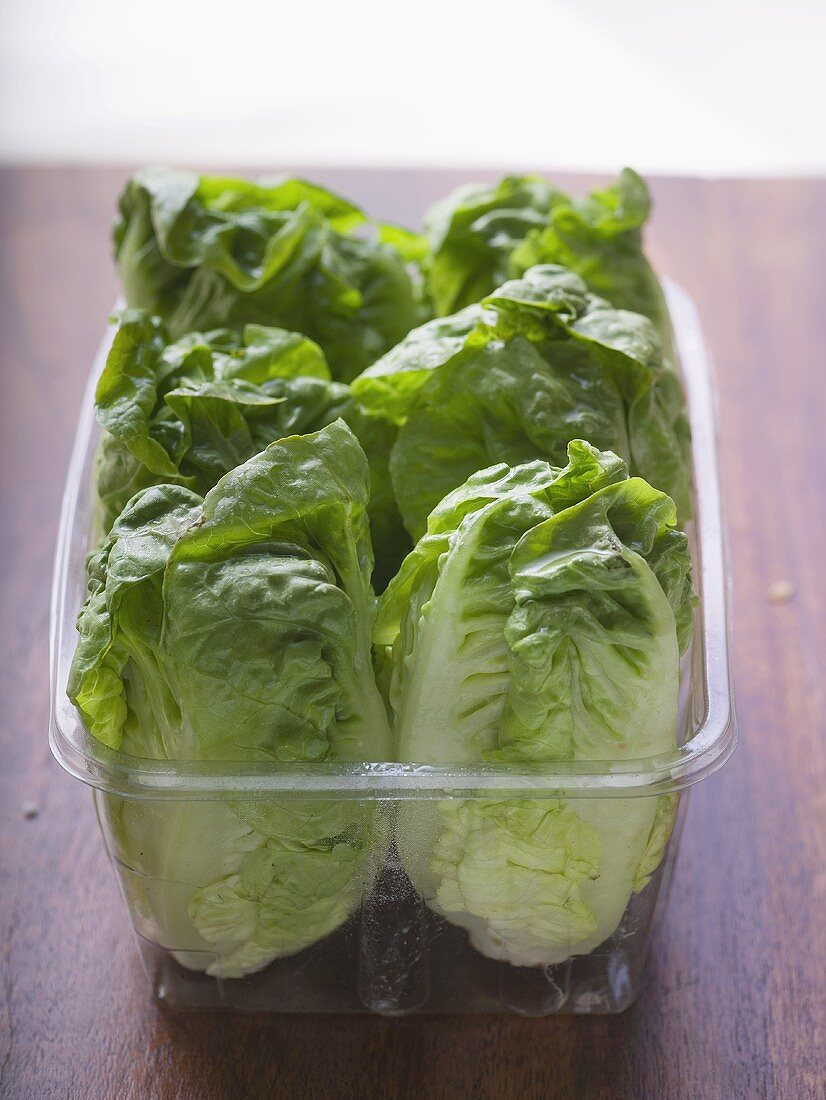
column 735, row 1006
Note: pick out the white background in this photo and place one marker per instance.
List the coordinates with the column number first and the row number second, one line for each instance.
column 703, row 87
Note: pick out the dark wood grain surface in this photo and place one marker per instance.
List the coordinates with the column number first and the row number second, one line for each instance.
column 736, row 1001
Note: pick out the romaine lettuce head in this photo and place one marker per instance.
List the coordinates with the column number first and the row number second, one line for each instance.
column 236, row 627
column 189, row 411
column 480, row 236
column 539, row 362
column 211, row 252
column 540, row 619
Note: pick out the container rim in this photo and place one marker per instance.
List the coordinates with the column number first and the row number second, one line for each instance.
column 712, row 743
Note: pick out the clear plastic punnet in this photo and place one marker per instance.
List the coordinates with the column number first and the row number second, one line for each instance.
column 373, row 936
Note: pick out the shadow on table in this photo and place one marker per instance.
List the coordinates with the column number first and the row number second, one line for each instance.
column 220, row 1055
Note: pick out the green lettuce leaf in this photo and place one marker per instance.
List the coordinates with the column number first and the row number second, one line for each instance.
column 664, row 820
column 391, row 385
column 600, row 238
column 236, row 627
column 591, row 611
column 540, row 362
column 227, row 888
column 537, row 621
column 120, row 623
column 213, row 252
column 187, row 412
column 480, row 236
column 473, row 232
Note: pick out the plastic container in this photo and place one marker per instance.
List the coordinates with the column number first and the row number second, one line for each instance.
column 393, row 954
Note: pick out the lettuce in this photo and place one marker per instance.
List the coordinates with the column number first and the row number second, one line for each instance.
column 473, row 232
column 539, row 362
column 209, row 252
column 480, row 236
column 236, row 627
column 187, row 412
column 278, row 425
column 539, row 619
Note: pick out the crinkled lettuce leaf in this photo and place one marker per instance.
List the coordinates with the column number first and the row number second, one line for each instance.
column 391, row 386
column 501, row 405
column 189, row 411
column 473, row 232
column 228, row 890
column 665, row 818
column 236, row 627
column 207, row 252
column 482, row 235
column 537, row 621
column 540, row 362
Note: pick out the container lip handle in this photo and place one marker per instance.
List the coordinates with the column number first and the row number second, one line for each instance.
column 709, row 747
column 716, row 737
